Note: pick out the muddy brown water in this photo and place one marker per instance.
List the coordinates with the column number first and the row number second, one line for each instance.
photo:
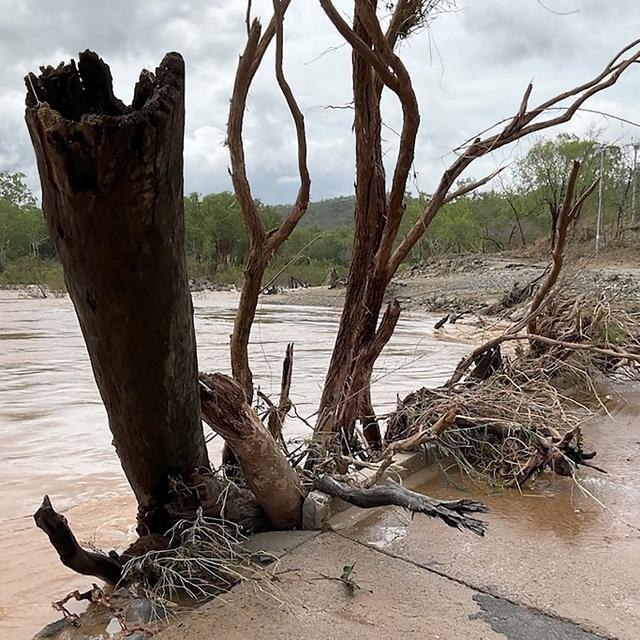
column 54, row 437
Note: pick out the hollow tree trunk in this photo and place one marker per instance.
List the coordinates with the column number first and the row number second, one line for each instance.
column 112, row 190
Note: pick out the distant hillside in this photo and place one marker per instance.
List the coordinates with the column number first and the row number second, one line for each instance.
column 325, row 214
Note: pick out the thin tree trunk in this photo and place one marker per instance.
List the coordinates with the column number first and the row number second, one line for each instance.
column 245, row 315
column 370, row 214
column 112, row 190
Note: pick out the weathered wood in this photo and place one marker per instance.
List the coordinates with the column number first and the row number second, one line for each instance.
column 278, row 414
column 112, row 189
column 453, row 512
column 71, row 554
column 265, row 468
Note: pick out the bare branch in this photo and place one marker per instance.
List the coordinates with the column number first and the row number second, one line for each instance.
column 569, row 211
column 247, row 17
column 250, row 60
column 238, row 104
column 472, row 186
column 302, row 200
column 521, row 125
column 410, row 125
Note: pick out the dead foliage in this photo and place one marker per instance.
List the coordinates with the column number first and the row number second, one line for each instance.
column 516, row 413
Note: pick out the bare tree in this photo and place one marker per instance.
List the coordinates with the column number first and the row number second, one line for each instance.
column 263, row 243
column 377, row 250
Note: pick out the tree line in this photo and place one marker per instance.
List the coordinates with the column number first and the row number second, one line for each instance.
column 514, row 213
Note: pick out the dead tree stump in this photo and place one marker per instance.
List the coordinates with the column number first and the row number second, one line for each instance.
column 112, row 190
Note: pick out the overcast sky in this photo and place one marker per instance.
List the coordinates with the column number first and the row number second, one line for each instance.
column 469, row 71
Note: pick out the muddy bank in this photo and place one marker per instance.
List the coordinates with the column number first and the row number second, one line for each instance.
column 477, row 282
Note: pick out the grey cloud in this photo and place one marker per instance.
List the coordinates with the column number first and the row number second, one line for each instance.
column 469, row 71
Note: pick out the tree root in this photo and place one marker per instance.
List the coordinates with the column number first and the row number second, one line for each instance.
column 454, row 513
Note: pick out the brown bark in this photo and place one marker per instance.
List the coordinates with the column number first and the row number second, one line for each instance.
column 279, row 413
column 263, row 244
column 358, row 320
column 111, row 179
column 346, row 394
column 265, row 468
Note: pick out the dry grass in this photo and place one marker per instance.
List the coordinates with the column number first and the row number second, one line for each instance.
column 205, row 558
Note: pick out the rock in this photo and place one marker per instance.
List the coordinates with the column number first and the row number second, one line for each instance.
column 53, row 630
column 316, row 510
column 139, row 611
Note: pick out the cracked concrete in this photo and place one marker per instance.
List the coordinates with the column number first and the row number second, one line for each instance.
column 396, row 599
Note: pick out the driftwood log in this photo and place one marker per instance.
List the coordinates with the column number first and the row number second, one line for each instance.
column 454, row 513
column 266, row 470
column 72, row 555
column 112, row 191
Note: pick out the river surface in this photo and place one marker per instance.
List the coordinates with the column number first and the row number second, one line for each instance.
column 574, row 550
column 54, row 437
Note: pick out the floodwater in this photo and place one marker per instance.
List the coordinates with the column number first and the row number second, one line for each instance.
column 54, row 437
column 575, row 553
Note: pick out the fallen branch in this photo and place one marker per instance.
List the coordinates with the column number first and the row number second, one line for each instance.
column 265, row 468
column 454, row 513
column 72, row 555
column 501, row 425
column 424, row 435
column 561, row 456
column 576, row 346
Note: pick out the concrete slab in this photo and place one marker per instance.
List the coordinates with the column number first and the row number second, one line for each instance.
column 277, row 543
column 396, row 600
column 553, row 548
column 406, row 602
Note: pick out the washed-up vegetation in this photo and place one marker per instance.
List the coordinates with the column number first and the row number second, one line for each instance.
column 146, row 366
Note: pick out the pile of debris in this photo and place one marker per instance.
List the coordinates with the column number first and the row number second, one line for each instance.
column 516, row 414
